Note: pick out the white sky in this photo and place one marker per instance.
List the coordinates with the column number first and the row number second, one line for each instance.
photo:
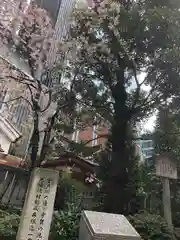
column 149, row 123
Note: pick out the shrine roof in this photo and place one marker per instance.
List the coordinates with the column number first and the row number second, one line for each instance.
column 68, row 159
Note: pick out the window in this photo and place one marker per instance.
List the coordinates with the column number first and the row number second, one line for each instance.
column 2, row 96
column 147, row 144
column 75, row 135
column 18, row 113
column 94, row 136
column 148, row 153
column 3, row 175
column 52, row 7
column 91, row 194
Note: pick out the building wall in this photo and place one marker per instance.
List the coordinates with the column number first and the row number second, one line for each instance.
column 139, row 153
column 12, row 186
column 20, row 113
column 17, row 112
column 52, row 7
column 62, row 24
column 91, row 134
column 147, row 148
column 4, row 142
column 61, row 28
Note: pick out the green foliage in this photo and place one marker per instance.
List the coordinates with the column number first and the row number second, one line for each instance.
column 134, row 187
column 65, row 224
column 167, row 139
column 8, row 225
column 124, row 40
column 175, row 202
column 166, row 136
column 65, row 191
column 151, row 226
column 151, row 189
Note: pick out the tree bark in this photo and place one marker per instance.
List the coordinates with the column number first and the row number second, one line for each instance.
column 46, row 140
column 34, row 141
column 116, row 199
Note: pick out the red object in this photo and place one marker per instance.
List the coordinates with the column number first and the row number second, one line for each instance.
column 13, row 161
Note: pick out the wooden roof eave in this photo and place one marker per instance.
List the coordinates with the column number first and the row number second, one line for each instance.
column 66, row 160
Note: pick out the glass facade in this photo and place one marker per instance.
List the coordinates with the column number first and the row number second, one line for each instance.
column 61, row 27
column 52, row 7
column 147, row 148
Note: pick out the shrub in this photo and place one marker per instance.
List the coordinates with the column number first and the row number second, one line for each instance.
column 65, row 224
column 151, row 226
column 8, row 225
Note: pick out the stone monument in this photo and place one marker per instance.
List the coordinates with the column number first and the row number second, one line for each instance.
column 38, row 207
column 106, row 226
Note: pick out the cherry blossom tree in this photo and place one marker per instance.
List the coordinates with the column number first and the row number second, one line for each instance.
column 26, row 32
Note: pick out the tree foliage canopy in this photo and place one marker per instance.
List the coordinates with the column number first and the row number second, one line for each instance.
column 110, row 49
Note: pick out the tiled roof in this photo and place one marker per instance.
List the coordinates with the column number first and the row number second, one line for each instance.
column 10, row 160
column 1, row 150
column 70, row 159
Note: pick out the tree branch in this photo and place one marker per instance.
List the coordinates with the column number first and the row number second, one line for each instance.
column 22, row 81
column 96, row 138
column 137, row 94
column 49, row 101
column 15, row 99
column 110, row 119
column 147, row 102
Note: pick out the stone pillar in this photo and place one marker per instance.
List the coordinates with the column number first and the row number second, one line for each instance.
column 106, row 226
column 38, row 207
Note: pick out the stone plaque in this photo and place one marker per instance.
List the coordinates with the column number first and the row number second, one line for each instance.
column 106, row 226
column 165, row 167
column 38, row 207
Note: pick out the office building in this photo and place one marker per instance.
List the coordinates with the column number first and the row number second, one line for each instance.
column 147, row 148
column 62, row 24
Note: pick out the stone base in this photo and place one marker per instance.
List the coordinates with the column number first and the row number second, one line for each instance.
column 105, row 226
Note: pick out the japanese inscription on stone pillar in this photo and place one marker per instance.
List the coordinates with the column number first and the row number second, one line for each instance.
column 38, row 208
column 165, row 167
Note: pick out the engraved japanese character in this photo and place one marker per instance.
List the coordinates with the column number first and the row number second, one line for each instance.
column 36, row 208
column 33, row 221
column 39, row 235
column 34, row 214
column 43, row 214
column 31, row 228
column 49, row 184
column 38, row 196
column 40, row 229
column 40, row 190
column 29, row 236
column 49, row 180
column 37, row 202
column 40, row 183
column 45, row 203
column 47, row 190
column 41, row 221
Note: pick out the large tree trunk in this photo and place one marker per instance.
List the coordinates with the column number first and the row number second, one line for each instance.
column 34, row 143
column 116, row 200
column 47, row 137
